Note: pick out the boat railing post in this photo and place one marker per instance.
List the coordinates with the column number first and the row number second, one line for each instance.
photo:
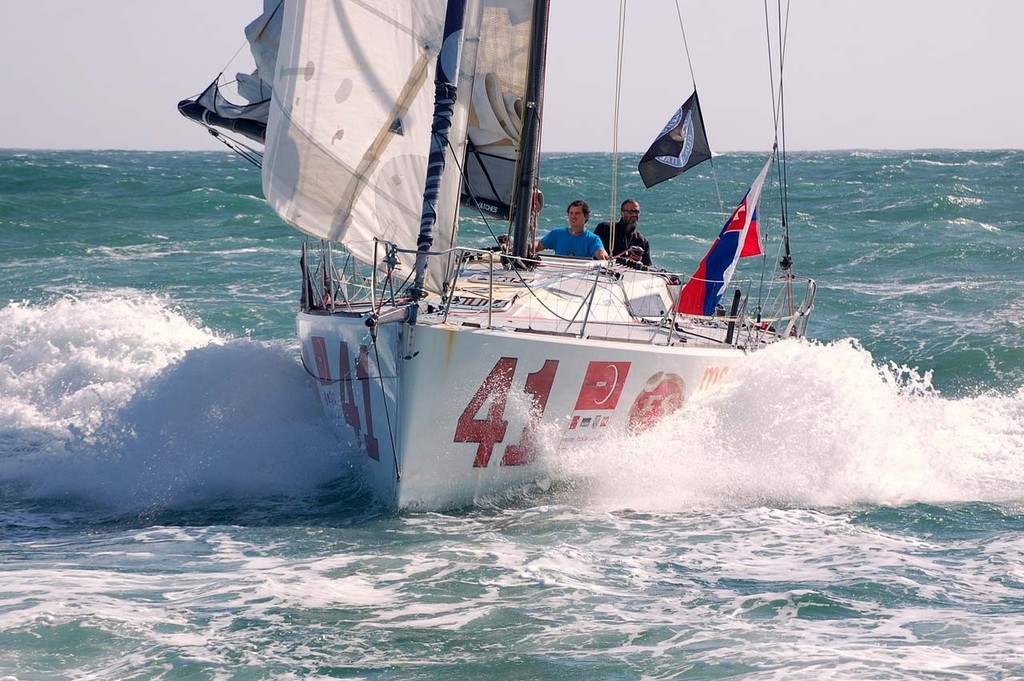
column 675, row 314
column 304, row 298
column 457, row 274
column 490, row 291
column 373, row 277
column 731, row 328
column 797, row 325
column 329, row 290
column 745, row 328
column 590, row 300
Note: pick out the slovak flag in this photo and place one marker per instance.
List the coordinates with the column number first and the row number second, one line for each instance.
column 739, row 238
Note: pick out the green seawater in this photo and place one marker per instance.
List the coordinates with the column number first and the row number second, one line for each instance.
column 173, row 506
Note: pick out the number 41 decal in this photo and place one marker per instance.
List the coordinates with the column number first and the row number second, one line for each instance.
column 490, row 430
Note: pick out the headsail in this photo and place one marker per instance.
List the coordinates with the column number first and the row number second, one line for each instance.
column 212, row 108
column 349, row 127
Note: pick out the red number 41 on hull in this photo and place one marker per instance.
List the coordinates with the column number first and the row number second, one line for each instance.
column 490, row 430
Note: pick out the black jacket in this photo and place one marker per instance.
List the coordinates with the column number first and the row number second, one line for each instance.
column 623, row 241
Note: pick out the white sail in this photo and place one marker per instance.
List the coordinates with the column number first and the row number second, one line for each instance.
column 264, row 36
column 347, row 139
column 348, row 135
column 499, row 93
column 349, row 129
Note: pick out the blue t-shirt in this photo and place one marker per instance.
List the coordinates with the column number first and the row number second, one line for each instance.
column 563, row 242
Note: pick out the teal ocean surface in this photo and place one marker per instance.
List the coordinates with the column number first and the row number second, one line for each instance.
column 173, row 506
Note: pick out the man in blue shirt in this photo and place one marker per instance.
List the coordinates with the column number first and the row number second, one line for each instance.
column 574, row 240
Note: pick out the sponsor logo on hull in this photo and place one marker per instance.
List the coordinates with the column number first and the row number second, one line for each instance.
column 597, row 400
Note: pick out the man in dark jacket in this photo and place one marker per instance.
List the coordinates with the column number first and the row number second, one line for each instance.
column 630, row 246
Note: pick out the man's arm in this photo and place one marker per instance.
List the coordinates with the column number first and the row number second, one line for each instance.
column 602, row 233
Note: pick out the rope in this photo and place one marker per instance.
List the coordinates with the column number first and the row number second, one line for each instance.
column 620, row 48
column 693, row 80
column 686, row 45
column 387, row 414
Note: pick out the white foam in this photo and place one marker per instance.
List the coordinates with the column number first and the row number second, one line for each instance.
column 815, row 425
column 118, row 398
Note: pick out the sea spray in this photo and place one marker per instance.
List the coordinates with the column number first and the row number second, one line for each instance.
column 808, row 424
column 118, row 399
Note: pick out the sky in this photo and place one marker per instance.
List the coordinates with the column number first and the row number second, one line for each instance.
column 859, row 74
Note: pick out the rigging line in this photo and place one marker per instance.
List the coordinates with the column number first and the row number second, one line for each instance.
column 387, row 412
column 778, row 111
column 693, row 80
column 686, row 45
column 256, row 37
column 476, row 204
column 783, row 37
column 388, row 282
column 620, row 48
column 246, row 152
column 324, row 381
column 480, row 156
column 771, row 69
column 246, row 42
column 777, row 98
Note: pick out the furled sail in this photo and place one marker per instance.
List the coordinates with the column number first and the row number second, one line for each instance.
column 349, row 128
column 212, row 108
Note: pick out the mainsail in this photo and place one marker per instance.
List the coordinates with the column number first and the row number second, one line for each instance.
column 498, row 109
column 346, row 151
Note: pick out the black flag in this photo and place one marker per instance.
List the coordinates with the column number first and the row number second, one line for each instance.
column 679, row 147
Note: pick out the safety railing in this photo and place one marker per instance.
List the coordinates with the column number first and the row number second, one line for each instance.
column 470, row 289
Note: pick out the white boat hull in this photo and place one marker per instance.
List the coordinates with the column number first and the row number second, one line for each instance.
column 455, row 414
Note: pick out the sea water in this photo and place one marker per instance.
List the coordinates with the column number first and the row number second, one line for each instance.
column 173, row 506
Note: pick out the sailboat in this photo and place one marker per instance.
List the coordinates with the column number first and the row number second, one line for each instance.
column 461, row 372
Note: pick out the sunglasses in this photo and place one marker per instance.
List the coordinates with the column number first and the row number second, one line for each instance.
column 631, row 211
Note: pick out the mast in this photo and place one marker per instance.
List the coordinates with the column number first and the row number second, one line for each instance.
column 445, row 91
column 529, row 157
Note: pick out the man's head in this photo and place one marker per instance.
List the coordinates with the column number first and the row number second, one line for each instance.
column 630, row 212
column 578, row 212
